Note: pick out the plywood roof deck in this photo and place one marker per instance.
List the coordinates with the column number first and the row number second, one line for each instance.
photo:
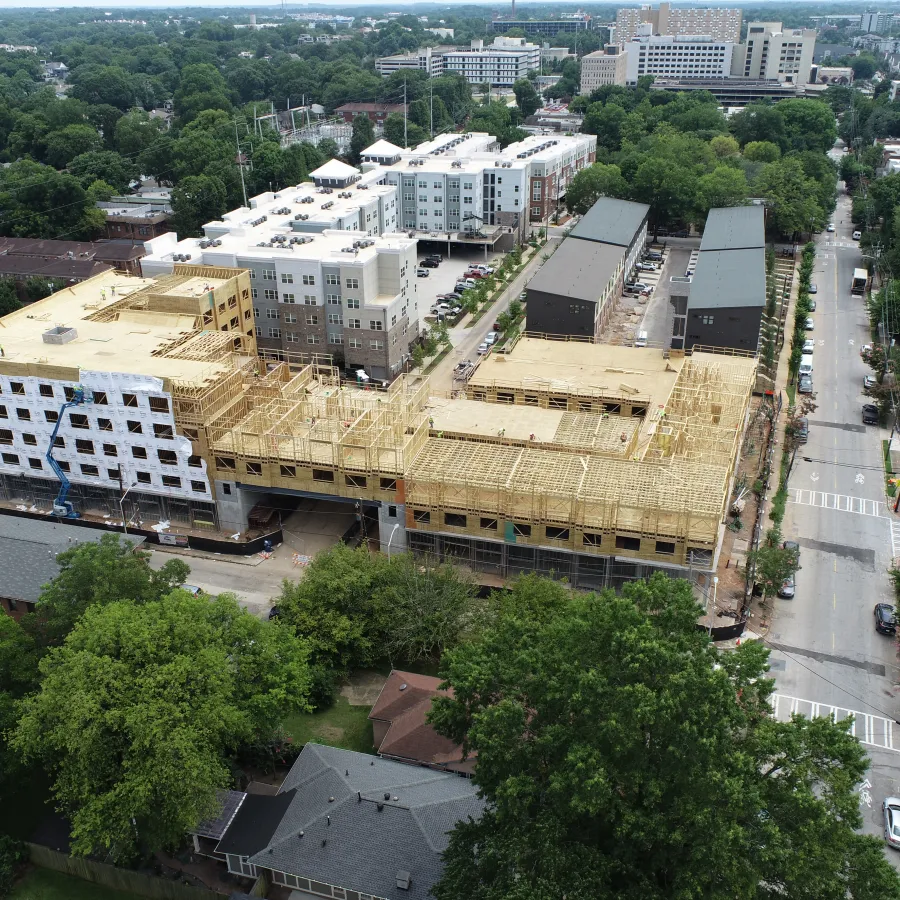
column 117, row 333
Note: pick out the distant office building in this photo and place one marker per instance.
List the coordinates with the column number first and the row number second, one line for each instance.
column 668, row 56
column 877, row 22
column 719, row 24
column 771, row 51
column 428, row 60
column 607, row 66
column 550, row 27
column 730, row 91
column 720, row 304
column 502, row 64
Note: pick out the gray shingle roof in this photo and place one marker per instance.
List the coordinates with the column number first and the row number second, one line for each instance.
column 348, row 841
column 734, row 228
column 729, row 278
column 578, row 269
column 611, row 221
column 28, row 549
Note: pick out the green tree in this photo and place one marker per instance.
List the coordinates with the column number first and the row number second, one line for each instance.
column 527, row 98
column 666, row 186
column 67, row 143
column 93, row 574
column 110, row 85
column 724, row 145
column 759, row 122
column 136, row 131
column 762, row 151
column 37, row 287
column 196, row 200
column 622, row 756
column 18, row 676
column 791, row 195
column 593, row 182
column 202, row 87
column 772, row 564
column 9, row 297
column 103, row 165
column 864, row 66
column 809, row 124
column 141, row 708
column 722, row 187
column 363, row 136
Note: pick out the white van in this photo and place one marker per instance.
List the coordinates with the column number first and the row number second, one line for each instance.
column 640, row 339
column 806, row 364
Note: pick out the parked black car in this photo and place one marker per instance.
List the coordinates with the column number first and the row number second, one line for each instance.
column 429, row 263
column 870, row 414
column 885, row 621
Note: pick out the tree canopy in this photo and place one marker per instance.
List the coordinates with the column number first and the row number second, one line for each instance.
column 141, row 706
column 622, row 756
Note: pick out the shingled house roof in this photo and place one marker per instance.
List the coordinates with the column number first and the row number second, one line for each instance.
column 404, row 703
column 359, row 822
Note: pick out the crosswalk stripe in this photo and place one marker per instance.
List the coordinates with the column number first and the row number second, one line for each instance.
column 876, row 731
column 841, row 503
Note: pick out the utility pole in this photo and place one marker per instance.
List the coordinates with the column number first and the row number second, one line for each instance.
column 405, row 142
column 240, row 162
column 431, row 108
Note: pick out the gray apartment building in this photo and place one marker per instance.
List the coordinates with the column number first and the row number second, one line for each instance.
column 575, row 290
column 721, row 303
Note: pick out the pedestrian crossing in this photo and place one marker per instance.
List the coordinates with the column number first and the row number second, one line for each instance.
column 876, row 731
column 895, row 539
column 841, row 503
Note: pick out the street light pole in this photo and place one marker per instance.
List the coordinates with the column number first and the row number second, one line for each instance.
column 391, row 538
column 122, row 508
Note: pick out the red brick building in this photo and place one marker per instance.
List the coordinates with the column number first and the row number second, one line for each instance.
column 377, row 112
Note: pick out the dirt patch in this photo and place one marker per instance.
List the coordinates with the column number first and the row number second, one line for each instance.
column 363, row 687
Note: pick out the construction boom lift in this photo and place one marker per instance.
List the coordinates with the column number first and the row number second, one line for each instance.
column 62, row 506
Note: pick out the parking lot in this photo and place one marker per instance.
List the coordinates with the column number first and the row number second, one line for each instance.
column 442, row 279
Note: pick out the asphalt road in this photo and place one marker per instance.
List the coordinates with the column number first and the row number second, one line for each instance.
column 825, row 647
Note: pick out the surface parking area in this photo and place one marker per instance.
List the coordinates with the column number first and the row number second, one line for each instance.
column 443, row 279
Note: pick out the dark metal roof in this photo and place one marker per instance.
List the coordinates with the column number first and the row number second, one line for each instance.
column 339, row 828
column 28, row 549
column 254, row 823
column 734, row 228
column 726, row 279
column 230, row 802
column 611, row 221
column 578, row 269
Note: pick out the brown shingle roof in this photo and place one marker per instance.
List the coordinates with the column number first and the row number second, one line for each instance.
column 405, row 701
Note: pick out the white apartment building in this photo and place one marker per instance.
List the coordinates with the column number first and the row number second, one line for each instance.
column 876, row 22
column 773, row 52
column 457, row 183
column 501, row 64
column 667, row 56
column 607, row 66
column 720, row 24
column 131, row 344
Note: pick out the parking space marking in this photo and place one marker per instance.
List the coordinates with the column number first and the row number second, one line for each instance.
column 895, row 539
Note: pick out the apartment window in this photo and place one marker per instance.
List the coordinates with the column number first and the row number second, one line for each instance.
column 82, row 446
column 335, row 319
column 287, row 278
column 45, row 390
column 17, row 387
column 269, row 274
column 353, row 283
column 312, row 319
column 423, row 516
column 91, row 471
column 323, row 475
column 456, row 520
column 254, row 293
column 520, row 529
column 271, row 313
column 225, row 462
column 290, row 319
column 352, row 302
column 64, row 466
column 354, row 323
column 627, row 543
column 335, row 339
column 59, row 442
column 139, row 452
column 288, row 298
column 29, row 440
column 6, row 436
column 332, row 279
column 313, row 339
column 257, row 331
column 665, row 547
column 423, row 198
column 310, row 300
column 357, row 481
column 309, row 279
column 3, row 414
column 35, row 463
column 271, row 295
column 536, row 190
column 143, row 477
column 165, row 432
column 274, row 332
column 23, row 414
column 707, row 320
column 354, row 344
column 488, row 524
column 287, row 471
column 110, row 450
column 198, row 487
column 129, row 400
column 376, row 325
column 252, row 273
column 376, row 345
column 333, row 298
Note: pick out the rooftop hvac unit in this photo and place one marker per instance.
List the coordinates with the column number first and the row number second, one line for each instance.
column 328, row 204
column 363, row 187
column 204, row 244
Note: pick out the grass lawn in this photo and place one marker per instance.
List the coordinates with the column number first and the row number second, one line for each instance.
column 342, row 725
column 46, row 884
